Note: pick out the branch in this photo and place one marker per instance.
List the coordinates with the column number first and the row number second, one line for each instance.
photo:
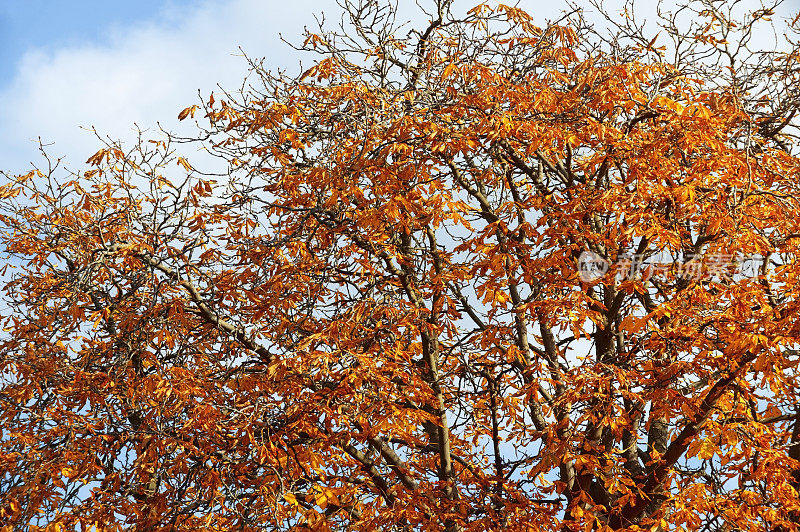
column 238, row 333
column 678, row 447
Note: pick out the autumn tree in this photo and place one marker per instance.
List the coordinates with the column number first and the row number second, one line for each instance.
column 479, row 275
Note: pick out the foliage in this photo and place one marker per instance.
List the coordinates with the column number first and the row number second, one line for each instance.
column 374, row 318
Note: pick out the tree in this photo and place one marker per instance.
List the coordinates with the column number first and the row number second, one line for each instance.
column 480, row 277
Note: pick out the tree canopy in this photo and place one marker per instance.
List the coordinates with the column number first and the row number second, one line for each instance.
column 485, row 274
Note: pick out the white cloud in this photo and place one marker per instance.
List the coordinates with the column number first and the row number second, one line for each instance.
column 141, row 75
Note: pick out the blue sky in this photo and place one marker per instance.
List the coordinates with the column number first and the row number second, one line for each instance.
column 69, row 65
column 52, row 24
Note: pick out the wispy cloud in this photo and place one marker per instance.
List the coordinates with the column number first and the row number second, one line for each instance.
column 142, row 75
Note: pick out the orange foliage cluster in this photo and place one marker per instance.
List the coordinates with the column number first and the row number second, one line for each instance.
column 373, row 317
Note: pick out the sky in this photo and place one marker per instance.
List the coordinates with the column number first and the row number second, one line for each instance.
column 67, row 66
